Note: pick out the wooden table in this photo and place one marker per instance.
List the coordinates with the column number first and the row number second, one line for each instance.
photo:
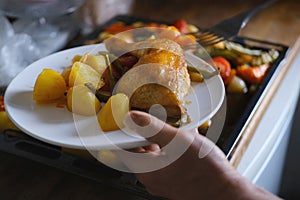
column 25, row 179
column 277, row 23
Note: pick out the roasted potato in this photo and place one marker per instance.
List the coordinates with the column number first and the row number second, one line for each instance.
column 81, row 100
column 113, row 112
column 49, row 87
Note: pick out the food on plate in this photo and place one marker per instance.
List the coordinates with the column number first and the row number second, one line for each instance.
column 159, row 77
column 113, row 112
column 49, row 87
column 66, row 73
column 129, row 75
column 196, row 76
column 97, row 62
column 69, row 87
column 82, row 73
column 81, row 100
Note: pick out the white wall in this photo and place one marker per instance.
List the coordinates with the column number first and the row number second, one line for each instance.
column 290, row 184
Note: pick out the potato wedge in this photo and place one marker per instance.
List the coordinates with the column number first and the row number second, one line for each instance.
column 97, row 62
column 82, row 101
column 113, row 112
column 82, row 73
column 49, row 86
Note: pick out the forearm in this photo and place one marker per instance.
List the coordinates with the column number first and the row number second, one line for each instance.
column 222, row 181
column 240, row 189
column 252, row 192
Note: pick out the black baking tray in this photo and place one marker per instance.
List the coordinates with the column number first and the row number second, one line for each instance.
column 240, row 108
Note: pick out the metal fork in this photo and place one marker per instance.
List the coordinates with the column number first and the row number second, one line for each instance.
column 229, row 27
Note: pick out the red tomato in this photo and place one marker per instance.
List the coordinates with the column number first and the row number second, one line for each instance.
column 224, row 67
column 253, row 74
column 182, row 26
column 117, row 28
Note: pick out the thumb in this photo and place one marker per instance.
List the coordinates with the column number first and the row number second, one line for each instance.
column 173, row 142
column 150, row 127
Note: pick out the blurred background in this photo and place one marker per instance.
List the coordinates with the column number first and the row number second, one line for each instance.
column 31, row 29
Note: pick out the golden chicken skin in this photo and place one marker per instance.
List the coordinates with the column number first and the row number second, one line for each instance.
column 160, row 77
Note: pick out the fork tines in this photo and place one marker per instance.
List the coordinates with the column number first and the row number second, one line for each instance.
column 206, row 38
column 229, row 27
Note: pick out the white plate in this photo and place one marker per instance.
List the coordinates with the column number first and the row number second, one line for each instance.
column 60, row 127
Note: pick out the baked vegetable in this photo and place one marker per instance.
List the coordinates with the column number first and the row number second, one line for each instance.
column 253, row 74
column 81, row 100
column 113, row 112
column 49, row 87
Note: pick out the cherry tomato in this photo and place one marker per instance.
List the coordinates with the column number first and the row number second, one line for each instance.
column 224, row 67
column 182, row 26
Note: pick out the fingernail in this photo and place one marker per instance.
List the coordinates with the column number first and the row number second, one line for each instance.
column 141, row 123
column 140, row 118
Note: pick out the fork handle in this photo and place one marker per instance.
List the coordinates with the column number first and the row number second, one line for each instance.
column 248, row 14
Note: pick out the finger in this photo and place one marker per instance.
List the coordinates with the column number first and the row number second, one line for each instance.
column 152, row 148
column 146, row 149
column 150, row 127
column 137, row 150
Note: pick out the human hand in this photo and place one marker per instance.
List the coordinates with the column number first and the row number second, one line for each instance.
column 201, row 172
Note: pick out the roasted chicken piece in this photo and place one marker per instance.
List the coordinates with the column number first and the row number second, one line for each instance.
column 160, row 76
